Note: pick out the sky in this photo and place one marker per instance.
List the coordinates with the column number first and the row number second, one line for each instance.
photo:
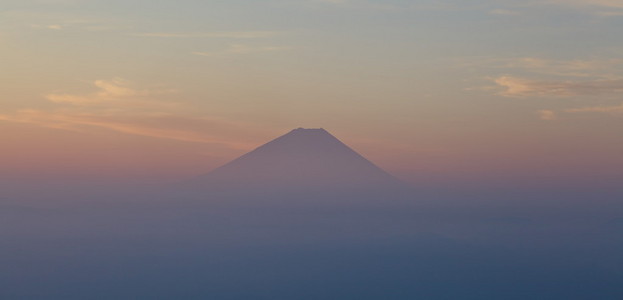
column 435, row 92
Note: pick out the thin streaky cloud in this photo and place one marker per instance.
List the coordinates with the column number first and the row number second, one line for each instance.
column 618, row 109
column 242, row 49
column 115, row 92
column 600, row 3
column 521, row 87
column 369, row 5
column 601, row 8
column 117, row 106
column 600, row 68
column 230, row 34
column 618, row 13
column 136, row 125
column 52, row 26
column 597, row 67
column 504, row 12
column 332, row 1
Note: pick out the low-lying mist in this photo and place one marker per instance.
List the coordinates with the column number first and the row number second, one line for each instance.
column 113, row 242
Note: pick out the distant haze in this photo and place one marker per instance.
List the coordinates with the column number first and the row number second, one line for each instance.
column 475, row 149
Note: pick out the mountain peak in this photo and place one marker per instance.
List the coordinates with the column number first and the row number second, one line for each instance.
column 300, row 129
column 309, row 130
column 302, row 158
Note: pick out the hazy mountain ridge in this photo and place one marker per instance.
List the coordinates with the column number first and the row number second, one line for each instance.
column 300, row 159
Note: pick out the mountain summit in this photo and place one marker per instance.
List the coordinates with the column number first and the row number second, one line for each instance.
column 302, row 158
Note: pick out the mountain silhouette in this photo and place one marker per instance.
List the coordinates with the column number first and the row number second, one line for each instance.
column 302, row 158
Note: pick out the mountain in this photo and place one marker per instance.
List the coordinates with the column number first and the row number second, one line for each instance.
column 302, row 158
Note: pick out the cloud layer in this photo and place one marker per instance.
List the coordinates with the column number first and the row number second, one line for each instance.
column 224, row 34
column 116, row 106
column 521, row 87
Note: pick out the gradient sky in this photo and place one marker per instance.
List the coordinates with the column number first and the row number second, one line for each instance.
column 435, row 92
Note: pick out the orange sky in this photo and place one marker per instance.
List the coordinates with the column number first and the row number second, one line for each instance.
column 432, row 93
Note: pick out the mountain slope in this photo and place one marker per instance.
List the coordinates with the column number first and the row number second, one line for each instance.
column 301, row 158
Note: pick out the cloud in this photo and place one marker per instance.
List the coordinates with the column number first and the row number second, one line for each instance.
column 597, row 3
column 187, row 129
column 375, row 5
column 333, row 1
column 520, row 87
column 52, row 27
column 224, row 34
column 111, row 92
column 557, row 78
column 116, row 106
column 562, row 78
column 602, row 68
column 597, row 109
column 65, row 2
column 57, row 21
column 503, row 12
column 547, row 115
column 603, row 8
column 243, row 49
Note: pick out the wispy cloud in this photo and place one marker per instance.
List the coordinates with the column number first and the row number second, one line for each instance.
column 222, row 34
column 37, row 20
column 547, row 115
column 618, row 109
column 551, row 115
column 378, row 5
column 504, row 12
column 540, row 77
column 603, row 8
column 598, row 3
column 163, row 126
column 332, row 1
column 602, row 68
column 63, row 2
column 586, row 78
column 521, row 87
column 243, row 49
column 115, row 92
column 116, row 106
column 53, row 26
